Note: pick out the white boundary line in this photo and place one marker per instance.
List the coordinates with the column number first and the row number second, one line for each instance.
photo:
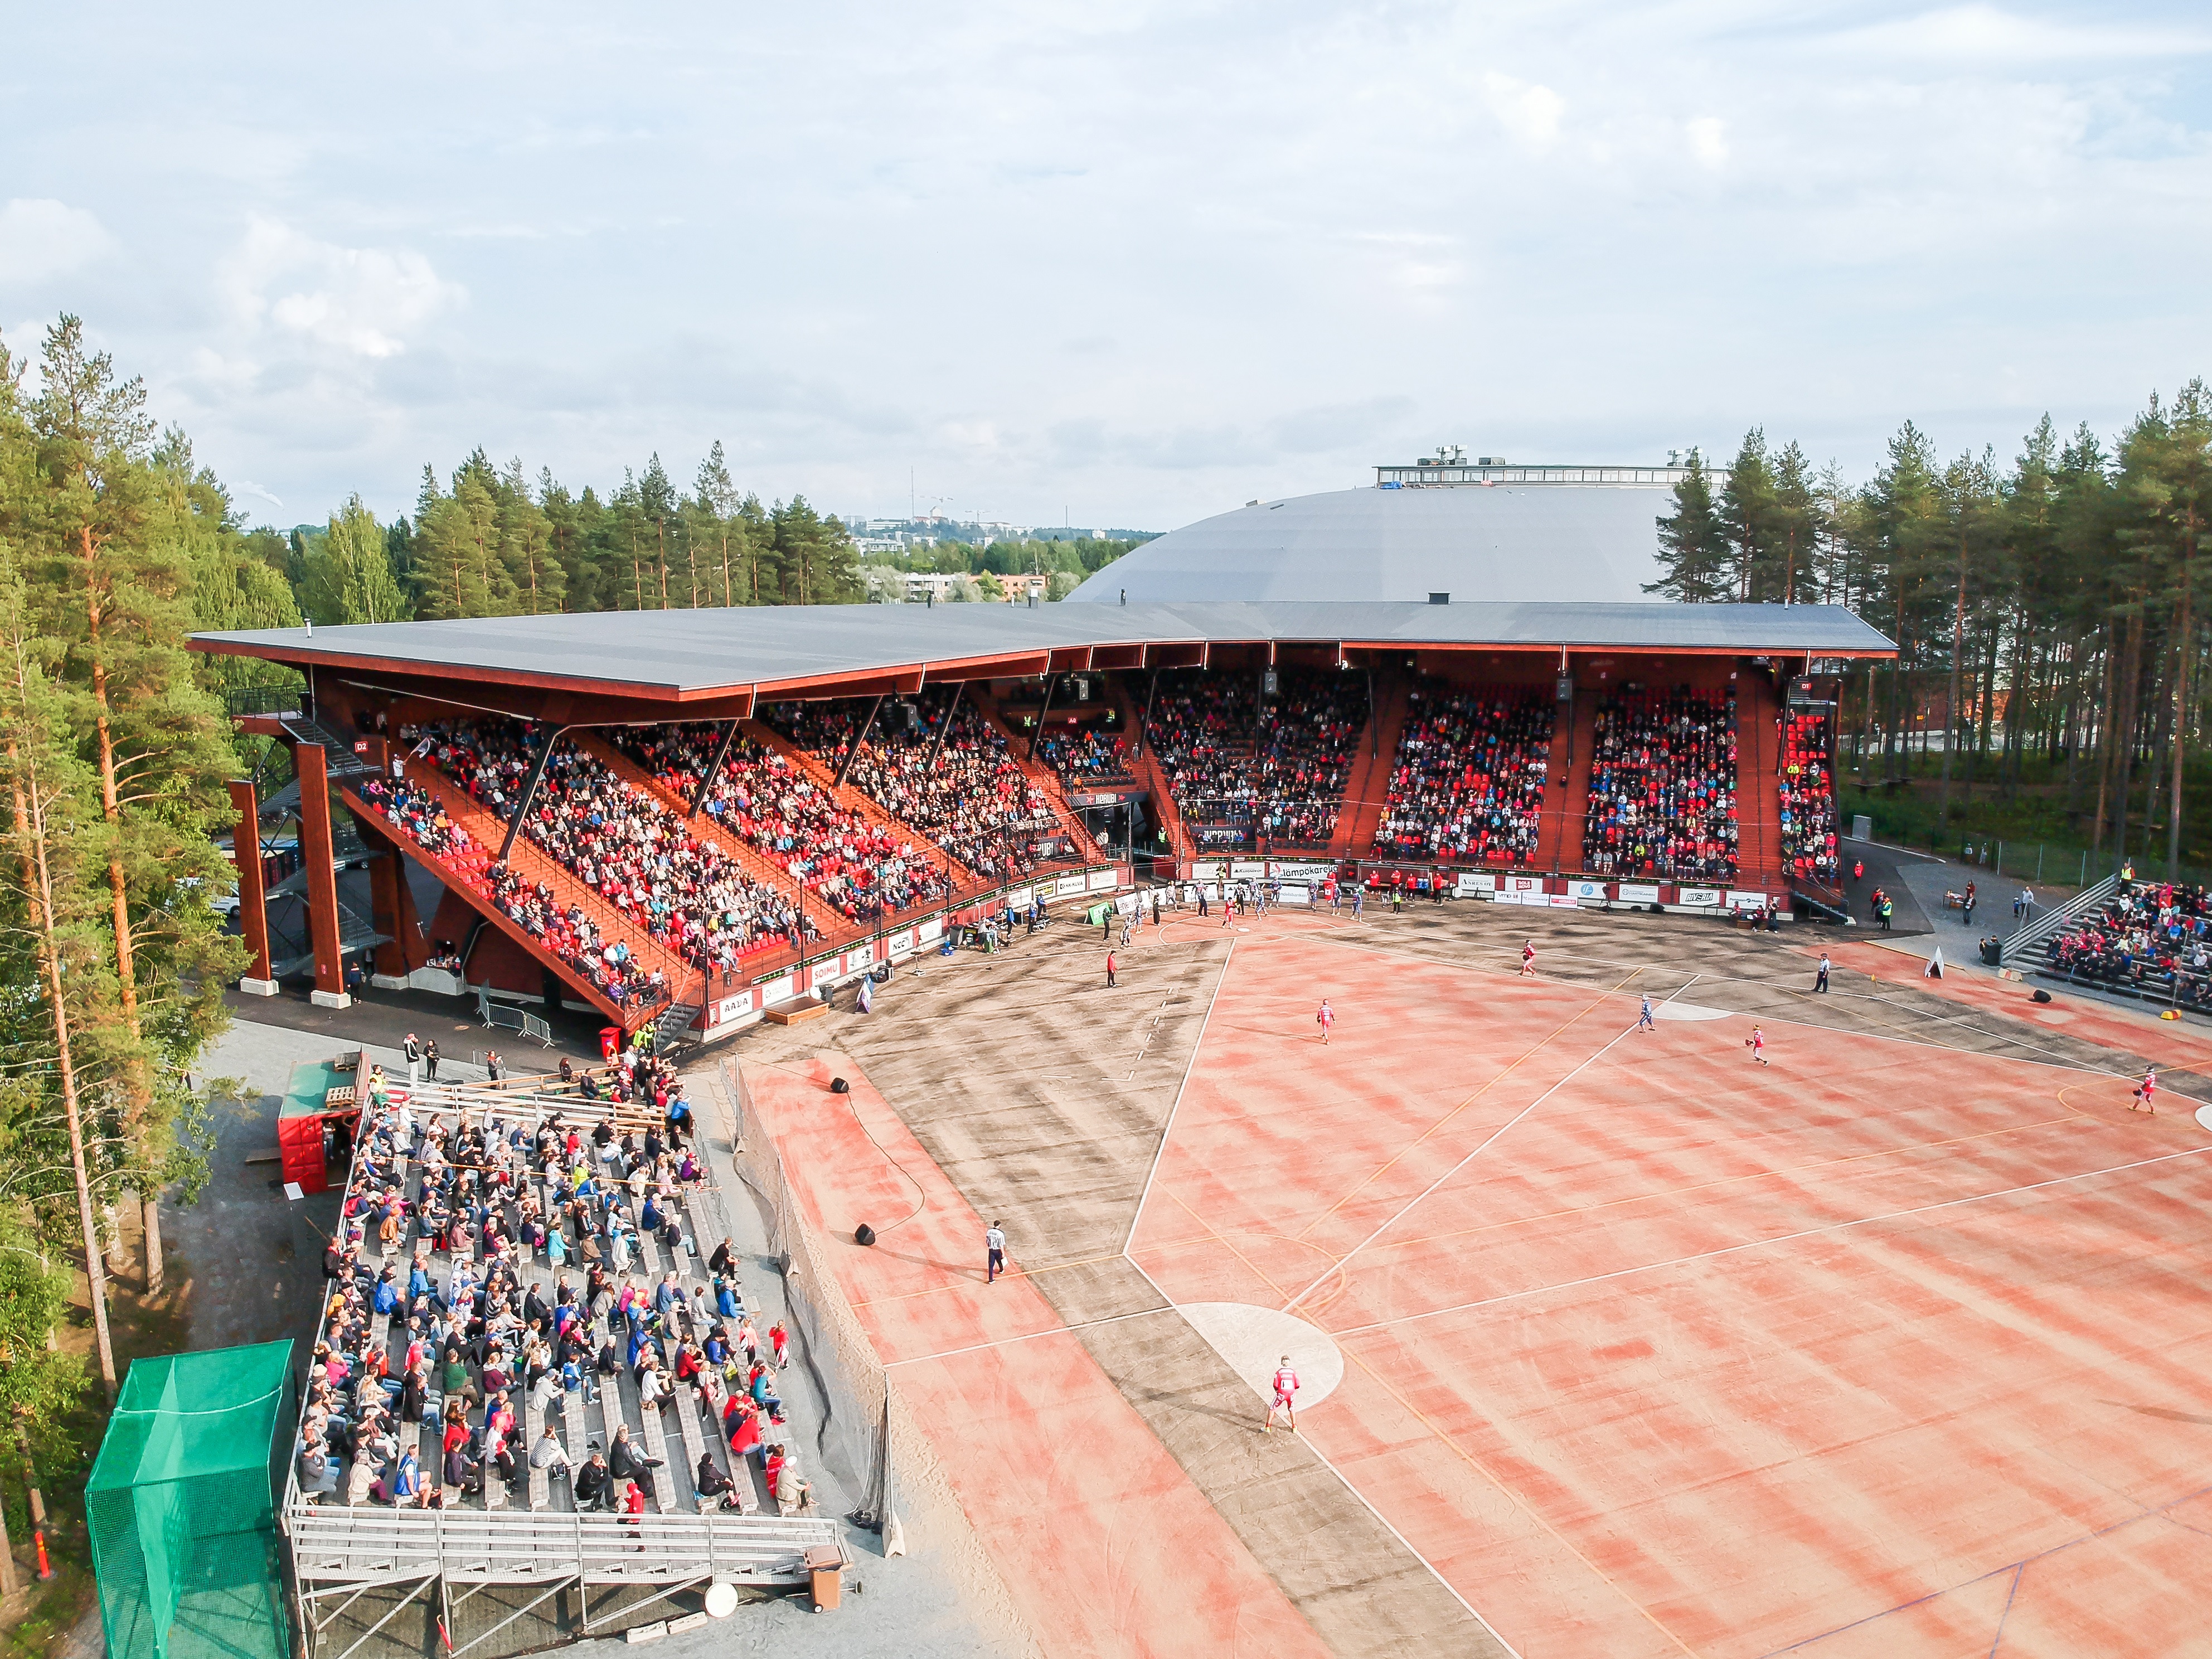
column 1588, row 1060
column 1168, row 1125
column 1756, row 1243
column 1405, row 1543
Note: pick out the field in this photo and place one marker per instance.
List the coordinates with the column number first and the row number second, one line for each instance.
column 1614, row 1342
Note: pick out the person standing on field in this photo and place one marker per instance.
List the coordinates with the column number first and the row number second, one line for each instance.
column 1529, row 960
column 1820, row 980
column 2145, row 1091
column 1757, row 1043
column 1109, row 970
column 1286, row 1389
column 995, row 1252
column 1325, row 1019
column 1644, row 1021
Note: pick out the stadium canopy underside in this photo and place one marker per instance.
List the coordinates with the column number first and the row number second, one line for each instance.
column 613, row 667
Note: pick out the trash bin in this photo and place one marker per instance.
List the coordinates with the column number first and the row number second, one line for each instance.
column 1992, row 953
column 610, row 1042
column 826, row 1564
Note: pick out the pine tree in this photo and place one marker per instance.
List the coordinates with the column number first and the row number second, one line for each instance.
column 115, row 590
column 53, row 881
column 1693, row 548
column 349, row 577
column 717, row 501
column 656, row 502
column 1747, row 517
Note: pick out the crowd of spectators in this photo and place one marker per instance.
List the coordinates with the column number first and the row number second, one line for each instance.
column 607, row 963
column 621, row 841
column 2145, row 935
column 1085, row 755
column 1807, row 784
column 1246, row 769
column 1469, row 776
column 965, row 793
column 853, row 864
column 441, row 1342
column 1663, row 785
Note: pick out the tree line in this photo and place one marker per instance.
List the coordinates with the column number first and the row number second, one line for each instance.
column 2045, row 608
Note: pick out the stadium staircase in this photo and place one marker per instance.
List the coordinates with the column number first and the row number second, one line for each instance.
column 1367, row 786
column 1566, row 786
column 1145, row 767
column 466, row 878
column 1758, row 785
column 1042, row 776
column 2028, row 948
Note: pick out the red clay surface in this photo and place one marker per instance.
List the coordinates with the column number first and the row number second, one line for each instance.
column 1664, row 1369
column 2173, row 1041
column 1106, row 1545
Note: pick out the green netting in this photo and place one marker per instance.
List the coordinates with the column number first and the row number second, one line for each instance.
column 182, row 1505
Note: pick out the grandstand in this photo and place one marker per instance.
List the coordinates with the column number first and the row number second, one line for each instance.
column 689, row 818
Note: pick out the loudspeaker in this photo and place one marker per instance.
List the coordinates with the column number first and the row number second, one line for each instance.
column 864, row 1234
column 2040, row 996
column 839, row 1086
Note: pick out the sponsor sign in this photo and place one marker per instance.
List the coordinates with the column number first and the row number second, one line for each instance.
column 1502, row 897
column 1065, row 885
column 860, row 960
column 1471, row 882
column 1022, row 897
column 1104, row 881
column 1556, row 901
column 931, row 930
column 1580, row 890
column 1705, row 898
column 1521, row 883
column 1246, row 869
column 1128, row 903
column 736, row 1007
column 1210, row 869
column 902, row 944
column 1637, row 893
column 1740, row 901
column 779, row 989
column 1294, row 892
column 1311, row 874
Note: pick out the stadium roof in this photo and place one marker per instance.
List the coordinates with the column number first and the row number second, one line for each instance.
column 1526, row 543
column 697, row 657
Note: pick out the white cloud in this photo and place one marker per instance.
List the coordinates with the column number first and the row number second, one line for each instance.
column 364, row 302
column 1984, row 35
column 1530, row 114
column 41, row 238
column 1708, row 137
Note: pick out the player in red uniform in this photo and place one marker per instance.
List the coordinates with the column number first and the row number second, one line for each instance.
column 2145, row 1090
column 1529, row 960
column 1287, row 1387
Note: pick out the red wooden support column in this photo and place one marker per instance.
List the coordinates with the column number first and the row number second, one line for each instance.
column 315, row 851
column 394, row 909
column 252, row 892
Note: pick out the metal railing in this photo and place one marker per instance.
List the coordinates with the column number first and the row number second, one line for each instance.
column 2040, row 929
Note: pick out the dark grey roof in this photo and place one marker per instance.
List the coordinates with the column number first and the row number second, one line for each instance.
column 1528, row 542
column 676, row 653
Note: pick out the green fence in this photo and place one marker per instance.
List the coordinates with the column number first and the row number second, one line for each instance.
column 182, row 1506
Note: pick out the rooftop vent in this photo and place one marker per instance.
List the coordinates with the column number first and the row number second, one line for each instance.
column 1439, row 599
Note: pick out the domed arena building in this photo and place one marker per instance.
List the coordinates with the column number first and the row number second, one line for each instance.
column 1472, row 529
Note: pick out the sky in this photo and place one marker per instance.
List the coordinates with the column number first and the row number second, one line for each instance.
column 1102, row 264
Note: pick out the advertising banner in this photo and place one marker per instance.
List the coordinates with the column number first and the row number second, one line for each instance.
column 1127, row 903
column 1703, row 898
column 1104, row 881
column 1022, row 897
column 931, row 931
column 1521, row 883
column 902, row 944
column 1471, row 882
column 1580, row 890
column 860, row 961
column 779, row 989
column 1740, row 901
column 1246, row 869
column 1295, row 892
column 1637, row 893
column 1556, row 901
column 1311, row 874
column 1206, row 869
column 1067, row 885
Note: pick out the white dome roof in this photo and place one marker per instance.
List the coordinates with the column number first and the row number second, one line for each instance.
column 1525, row 543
